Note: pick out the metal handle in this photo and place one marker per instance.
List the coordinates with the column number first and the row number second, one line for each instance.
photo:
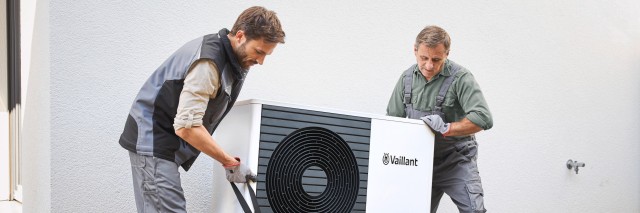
column 574, row 165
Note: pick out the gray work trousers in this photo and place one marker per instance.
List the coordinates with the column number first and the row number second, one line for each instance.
column 455, row 172
column 156, row 184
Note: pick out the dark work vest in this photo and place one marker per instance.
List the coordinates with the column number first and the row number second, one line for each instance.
column 149, row 127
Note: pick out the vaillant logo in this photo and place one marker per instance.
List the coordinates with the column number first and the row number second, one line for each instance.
column 385, row 158
column 399, row 160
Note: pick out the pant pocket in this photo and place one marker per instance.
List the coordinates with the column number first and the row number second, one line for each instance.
column 469, row 150
column 150, row 196
column 476, row 196
column 137, row 161
column 149, row 187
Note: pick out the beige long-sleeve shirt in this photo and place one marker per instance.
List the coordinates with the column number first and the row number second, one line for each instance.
column 201, row 84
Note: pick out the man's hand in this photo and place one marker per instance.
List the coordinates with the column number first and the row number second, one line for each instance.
column 239, row 173
column 437, row 124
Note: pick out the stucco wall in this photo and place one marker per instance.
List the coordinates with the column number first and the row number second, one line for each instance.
column 561, row 79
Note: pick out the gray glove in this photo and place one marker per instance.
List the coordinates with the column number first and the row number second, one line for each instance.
column 436, row 123
column 239, row 173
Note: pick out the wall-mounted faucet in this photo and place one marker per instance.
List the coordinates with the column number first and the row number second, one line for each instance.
column 574, row 164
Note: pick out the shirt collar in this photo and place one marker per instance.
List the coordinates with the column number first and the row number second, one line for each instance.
column 446, row 69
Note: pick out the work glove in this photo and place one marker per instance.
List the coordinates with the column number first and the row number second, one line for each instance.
column 239, row 173
column 437, row 124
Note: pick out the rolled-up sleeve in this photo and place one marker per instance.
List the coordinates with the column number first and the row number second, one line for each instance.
column 473, row 102
column 200, row 85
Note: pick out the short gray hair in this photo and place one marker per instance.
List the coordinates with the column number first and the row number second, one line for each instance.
column 432, row 36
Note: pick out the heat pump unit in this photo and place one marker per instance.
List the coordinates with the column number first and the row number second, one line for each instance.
column 310, row 159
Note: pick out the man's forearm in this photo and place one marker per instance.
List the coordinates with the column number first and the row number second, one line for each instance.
column 200, row 138
column 462, row 128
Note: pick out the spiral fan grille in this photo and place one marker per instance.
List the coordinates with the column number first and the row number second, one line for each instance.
column 305, row 148
column 312, row 161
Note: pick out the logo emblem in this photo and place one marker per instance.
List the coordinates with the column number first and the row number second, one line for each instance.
column 385, row 158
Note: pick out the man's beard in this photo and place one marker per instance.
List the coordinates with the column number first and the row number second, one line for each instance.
column 241, row 54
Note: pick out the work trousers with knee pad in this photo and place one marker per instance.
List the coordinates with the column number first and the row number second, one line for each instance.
column 455, row 172
column 156, row 184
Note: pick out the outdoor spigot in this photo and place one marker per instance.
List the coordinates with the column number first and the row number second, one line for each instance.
column 574, row 164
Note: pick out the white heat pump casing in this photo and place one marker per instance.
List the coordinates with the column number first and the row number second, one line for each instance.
column 389, row 187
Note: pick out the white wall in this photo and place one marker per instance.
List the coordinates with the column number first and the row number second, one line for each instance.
column 560, row 78
column 38, row 147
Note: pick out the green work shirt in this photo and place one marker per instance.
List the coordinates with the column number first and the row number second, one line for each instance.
column 464, row 98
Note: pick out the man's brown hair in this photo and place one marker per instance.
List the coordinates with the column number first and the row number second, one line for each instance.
column 432, row 36
column 258, row 22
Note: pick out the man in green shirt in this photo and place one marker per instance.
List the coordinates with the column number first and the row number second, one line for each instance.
column 447, row 98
